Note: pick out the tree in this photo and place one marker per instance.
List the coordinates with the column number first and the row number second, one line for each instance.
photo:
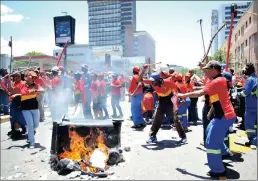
column 183, row 70
column 221, row 56
column 34, row 53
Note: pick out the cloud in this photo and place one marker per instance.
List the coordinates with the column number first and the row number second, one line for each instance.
column 44, row 44
column 7, row 17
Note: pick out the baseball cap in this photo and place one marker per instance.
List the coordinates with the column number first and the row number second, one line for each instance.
column 136, row 69
column 227, row 75
column 55, row 69
column 154, row 77
column 213, row 64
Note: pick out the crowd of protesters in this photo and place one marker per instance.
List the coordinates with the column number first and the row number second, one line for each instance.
column 165, row 98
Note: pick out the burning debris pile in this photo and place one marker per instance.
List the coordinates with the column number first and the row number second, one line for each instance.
column 84, row 149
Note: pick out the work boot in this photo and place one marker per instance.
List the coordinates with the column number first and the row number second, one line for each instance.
column 11, row 132
column 217, row 175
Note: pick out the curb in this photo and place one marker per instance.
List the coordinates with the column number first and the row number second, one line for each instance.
column 4, row 119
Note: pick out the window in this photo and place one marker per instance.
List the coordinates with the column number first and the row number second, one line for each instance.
column 242, row 30
column 238, row 32
column 246, row 43
column 246, row 24
column 250, row 20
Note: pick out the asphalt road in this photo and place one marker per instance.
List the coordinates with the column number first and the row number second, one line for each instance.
column 165, row 160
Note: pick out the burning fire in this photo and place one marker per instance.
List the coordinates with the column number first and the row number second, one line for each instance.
column 81, row 152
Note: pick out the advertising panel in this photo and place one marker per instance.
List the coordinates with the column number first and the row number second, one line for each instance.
column 64, row 28
column 112, row 50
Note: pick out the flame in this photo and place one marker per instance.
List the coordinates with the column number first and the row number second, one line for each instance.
column 79, row 150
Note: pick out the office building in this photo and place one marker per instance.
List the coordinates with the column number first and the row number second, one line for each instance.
column 4, row 61
column 244, row 44
column 225, row 16
column 144, row 45
column 108, row 20
column 214, row 28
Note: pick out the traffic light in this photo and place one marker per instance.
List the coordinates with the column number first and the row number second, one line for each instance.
column 233, row 9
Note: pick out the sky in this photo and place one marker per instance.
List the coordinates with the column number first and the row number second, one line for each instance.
column 172, row 24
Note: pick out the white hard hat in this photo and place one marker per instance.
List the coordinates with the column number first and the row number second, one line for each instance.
column 55, row 69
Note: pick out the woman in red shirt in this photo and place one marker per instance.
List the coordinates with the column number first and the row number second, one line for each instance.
column 30, row 106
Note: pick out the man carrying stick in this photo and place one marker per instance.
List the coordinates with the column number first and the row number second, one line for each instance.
column 165, row 89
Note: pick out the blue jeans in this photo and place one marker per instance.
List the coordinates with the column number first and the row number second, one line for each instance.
column 215, row 146
column 251, row 125
column 32, row 120
column 4, row 103
column 115, row 103
column 182, row 113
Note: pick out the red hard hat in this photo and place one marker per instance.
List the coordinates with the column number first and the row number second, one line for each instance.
column 61, row 68
column 179, row 76
column 136, row 69
column 101, row 75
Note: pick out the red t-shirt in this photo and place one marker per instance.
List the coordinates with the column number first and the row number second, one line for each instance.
column 134, row 84
column 147, row 102
column 115, row 89
column 166, row 88
column 218, row 91
column 56, row 81
column 95, row 88
column 39, row 81
column 102, row 87
column 189, row 86
column 182, row 87
column 47, row 81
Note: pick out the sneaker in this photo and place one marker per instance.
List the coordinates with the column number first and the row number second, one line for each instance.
column 182, row 140
column 32, row 146
column 152, row 140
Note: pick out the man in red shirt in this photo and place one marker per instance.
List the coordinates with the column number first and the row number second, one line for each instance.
column 95, row 92
column 103, row 95
column 182, row 109
column 136, row 98
column 14, row 89
column 123, row 81
column 116, row 85
column 224, row 117
column 39, row 81
column 55, row 98
column 165, row 89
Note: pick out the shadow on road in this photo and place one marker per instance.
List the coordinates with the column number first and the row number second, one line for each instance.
column 37, row 145
column 163, row 144
column 199, row 148
column 231, row 174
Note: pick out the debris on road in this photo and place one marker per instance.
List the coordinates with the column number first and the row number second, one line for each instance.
column 127, row 148
column 73, row 175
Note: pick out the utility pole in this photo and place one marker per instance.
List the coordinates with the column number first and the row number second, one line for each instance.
column 200, row 21
column 10, row 44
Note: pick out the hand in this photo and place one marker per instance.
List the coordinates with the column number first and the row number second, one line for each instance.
column 145, row 66
column 179, row 95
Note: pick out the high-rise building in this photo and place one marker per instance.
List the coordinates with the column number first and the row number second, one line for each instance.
column 144, row 45
column 108, row 20
column 225, row 16
column 214, row 28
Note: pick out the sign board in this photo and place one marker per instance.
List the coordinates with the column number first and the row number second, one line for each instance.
column 112, row 50
column 64, row 27
column 78, row 54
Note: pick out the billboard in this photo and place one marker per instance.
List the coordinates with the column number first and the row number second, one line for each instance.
column 64, row 27
column 112, row 50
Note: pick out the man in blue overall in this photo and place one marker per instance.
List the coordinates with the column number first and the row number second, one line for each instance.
column 86, row 78
column 250, row 94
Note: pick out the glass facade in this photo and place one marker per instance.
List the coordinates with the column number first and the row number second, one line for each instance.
column 107, row 20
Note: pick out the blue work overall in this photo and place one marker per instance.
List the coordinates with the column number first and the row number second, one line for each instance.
column 136, row 109
column 215, row 146
column 16, row 113
column 250, row 94
column 182, row 112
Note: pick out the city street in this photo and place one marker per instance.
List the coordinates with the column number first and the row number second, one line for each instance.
column 165, row 160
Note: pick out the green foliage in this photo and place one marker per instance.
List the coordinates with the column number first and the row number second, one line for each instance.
column 34, row 53
column 221, row 56
column 183, row 70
